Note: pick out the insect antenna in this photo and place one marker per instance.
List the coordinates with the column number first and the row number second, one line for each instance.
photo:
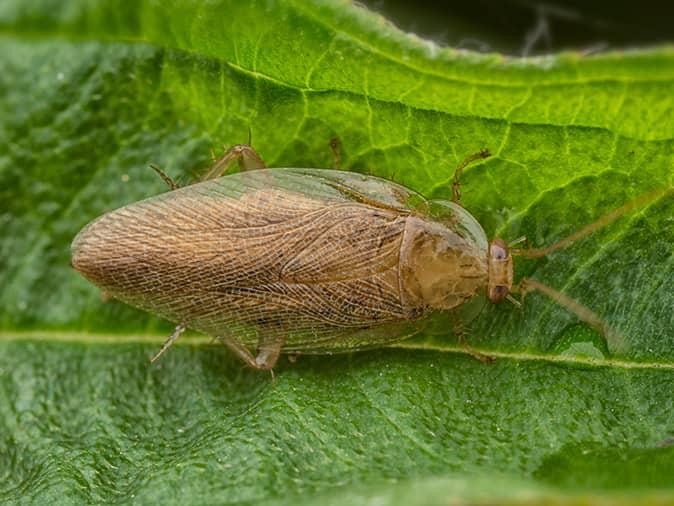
column 171, row 339
column 518, row 241
column 592, row 227
column 513, row 301
column 528, row 285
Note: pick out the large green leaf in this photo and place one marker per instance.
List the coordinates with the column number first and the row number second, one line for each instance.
column 93, row 91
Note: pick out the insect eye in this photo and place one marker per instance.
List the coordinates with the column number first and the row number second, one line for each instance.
column 498, row 252
column 498, row 292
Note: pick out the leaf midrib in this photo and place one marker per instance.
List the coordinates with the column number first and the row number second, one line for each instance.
column 520, row 356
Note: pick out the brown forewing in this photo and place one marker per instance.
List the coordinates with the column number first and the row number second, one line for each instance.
column 260, row 260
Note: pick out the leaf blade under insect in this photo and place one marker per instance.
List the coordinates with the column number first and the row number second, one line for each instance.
column 86, row 420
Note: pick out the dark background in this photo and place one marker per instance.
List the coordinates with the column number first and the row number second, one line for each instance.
column 530, row 27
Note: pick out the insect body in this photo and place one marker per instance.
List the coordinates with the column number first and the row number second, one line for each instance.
column 299, row 260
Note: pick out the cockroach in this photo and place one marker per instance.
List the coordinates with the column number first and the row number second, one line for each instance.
column 306, row 261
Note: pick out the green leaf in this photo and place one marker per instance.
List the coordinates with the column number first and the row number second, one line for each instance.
column 92, row 91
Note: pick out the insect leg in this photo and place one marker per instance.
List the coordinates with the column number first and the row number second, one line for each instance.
column 167, row 179
column 171, row 339
column 267, row 354
column 247, row 157
column 239, row 350
column 336, row 154
column 456, row 185
column 459, row 330
column 482, row 357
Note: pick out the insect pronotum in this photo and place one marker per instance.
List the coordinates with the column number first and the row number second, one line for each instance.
column 305, row 260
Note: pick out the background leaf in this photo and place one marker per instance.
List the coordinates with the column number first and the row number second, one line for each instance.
column 91, row 92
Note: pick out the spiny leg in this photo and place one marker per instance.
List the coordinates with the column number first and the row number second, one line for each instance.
column 268, row 352
column 171, row 339
column 456, row 185
column 460, row 332
column 248, row 159
column 239, row 350
column 167, row 179
column 336, row 153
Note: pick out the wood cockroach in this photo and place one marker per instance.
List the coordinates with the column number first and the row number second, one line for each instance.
column 305, row 260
